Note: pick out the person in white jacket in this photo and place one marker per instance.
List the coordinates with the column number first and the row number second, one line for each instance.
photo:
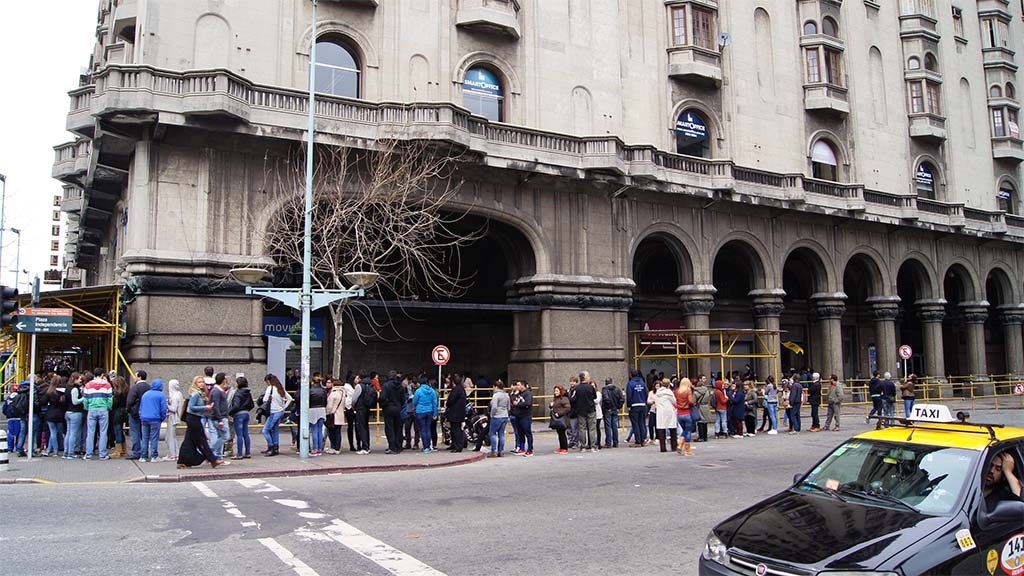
column 174, row 402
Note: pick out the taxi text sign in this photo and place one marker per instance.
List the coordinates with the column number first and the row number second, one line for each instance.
column 43, row 321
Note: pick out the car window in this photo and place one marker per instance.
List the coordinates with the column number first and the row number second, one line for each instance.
column 1000, row 489
column 929, row 478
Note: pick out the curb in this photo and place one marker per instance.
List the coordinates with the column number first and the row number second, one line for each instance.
column 292, row 473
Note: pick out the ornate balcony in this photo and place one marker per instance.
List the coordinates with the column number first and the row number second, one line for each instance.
column 928, row 127
column 824, row 97
column 691, row 63
column 71, row 161
column 1008, row 148
column 996, row 58
column 490, row 16
column 72, row 202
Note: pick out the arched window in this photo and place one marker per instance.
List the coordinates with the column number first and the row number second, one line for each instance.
column 692, row 135
column 483, row 93
column 995, row 92
column 810, row 28
column 924, row 180
column 1006, row 198
column 829, row 27
column 1011, row 92
column 930, row 63
column 913, row 63
column 337, row 69
column 824, row 165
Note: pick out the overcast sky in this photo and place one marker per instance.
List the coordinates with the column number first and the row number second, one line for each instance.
column 44, row 47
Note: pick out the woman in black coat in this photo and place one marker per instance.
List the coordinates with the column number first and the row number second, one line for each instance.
column 455, row 413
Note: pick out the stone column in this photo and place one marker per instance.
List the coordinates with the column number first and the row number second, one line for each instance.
column 931, row 313
column 828, row 311
column 767, row 309
column 1013, row 317
column 697, row 301
column 975, row 314
column 885, row 309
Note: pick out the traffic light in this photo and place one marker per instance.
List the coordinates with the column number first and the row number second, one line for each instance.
column 8, row 304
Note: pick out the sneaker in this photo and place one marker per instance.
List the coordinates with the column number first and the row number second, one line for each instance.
column 104, row 457
column 593, row 450
column 560, row 451
column 772, row 432
column 426, row 451
column 517, row 451
column 389, row 451
column 735, row 436
column 526, row 454
column 169, row 458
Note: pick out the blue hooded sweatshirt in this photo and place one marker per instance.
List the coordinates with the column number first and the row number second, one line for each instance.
column 636, row 392
column 153, row 407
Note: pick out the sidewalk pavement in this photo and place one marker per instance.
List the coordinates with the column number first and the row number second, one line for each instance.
column 55, row 470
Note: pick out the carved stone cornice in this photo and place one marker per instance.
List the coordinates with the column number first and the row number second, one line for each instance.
column 1012, row 315
column 929, row 314
column 697, row 307
column 831, row 311
column 582, row 301
column 768, row 309
column 885, row 313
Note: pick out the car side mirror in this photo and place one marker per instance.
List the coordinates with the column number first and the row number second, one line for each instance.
column 1004, row 512
column 797, row 477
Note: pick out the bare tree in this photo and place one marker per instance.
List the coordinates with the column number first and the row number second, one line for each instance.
column 387, row 210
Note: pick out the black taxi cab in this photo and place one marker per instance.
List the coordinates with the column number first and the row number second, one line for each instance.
column 928, row 495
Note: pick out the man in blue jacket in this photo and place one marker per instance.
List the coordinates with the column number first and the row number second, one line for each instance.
column 636, row 398
column 152, row 412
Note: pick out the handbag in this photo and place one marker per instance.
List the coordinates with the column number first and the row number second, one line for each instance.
column 557, row 422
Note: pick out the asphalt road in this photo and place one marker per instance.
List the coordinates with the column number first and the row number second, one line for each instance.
column 622, row 511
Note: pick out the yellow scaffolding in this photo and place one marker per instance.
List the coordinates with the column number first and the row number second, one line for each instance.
column 95, row 330
column 679, row 345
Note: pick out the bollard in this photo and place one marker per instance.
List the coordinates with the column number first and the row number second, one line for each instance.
column 4, row 456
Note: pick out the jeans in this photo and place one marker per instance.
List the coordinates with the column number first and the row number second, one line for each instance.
column 876, row 407
column 573, row 431
column 55, row 442
column 74, row 426
column 685, row 421
column 99, row 420
column 721, row 422
column 525, row 425
column 425, row 421
column 637, row 421
column 135, row 425
column 773, row 414
column 150, row 439
column 316, row 431
column 908, row 406
column 36, row 432
column 220, row 429
column 611, row 429
column 497, row 433
column 241, row 424
column 271, row 432
column 794, row 417
column 587, row 430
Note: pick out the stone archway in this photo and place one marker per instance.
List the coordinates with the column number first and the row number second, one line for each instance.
column 963, row 334
column 742, row 298
column 919, row 321
column 871, row 315
column 812, row 313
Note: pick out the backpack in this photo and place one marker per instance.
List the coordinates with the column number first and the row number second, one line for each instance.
column 20, row 407
column 9, row 406
column 368, row 396
column 608, row 399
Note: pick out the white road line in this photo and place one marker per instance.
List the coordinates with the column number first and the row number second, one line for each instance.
column 288, row 558
column 391, row 559
column 260, row 485
column 205, row 490
column 300, row 504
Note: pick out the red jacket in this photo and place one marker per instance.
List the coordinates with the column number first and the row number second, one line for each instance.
column 721, row 400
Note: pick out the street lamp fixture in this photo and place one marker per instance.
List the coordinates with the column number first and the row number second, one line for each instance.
column 248, row 276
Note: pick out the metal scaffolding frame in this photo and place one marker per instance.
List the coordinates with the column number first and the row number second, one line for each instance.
column 679, row 345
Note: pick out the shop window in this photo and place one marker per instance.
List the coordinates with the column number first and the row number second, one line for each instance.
column 1006, row 198
column 692, row 135
column 337, row 69
column 483, row 94
column 824, row 165
column 924, row 181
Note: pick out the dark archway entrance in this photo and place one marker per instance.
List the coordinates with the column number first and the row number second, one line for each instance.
column 956, row 289
column 660, row 266
column 862, row 342
column 803, row 275
column 738, row 276
column 912, row 285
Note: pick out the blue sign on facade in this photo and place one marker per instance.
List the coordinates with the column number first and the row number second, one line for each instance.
column 482, row 81
column 924, row 175
column 691, row 128
column 280, row 326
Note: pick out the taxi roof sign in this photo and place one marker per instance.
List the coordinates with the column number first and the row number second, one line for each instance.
column 931, row 413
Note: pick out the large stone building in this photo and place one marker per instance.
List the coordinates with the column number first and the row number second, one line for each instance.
column 847, row 171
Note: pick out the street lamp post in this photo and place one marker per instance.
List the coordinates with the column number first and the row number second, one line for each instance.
column 3, row 211
column 306, row 299
column 17, row 258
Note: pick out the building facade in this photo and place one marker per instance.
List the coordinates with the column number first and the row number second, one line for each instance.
column 846, row 171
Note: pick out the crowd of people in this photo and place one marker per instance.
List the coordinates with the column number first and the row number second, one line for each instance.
column 100, row 412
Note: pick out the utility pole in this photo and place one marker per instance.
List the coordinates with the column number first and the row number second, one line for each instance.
column 32, row 377
column 3, row 205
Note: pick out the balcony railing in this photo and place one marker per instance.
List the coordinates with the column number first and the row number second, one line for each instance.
column 497, row 16
column 692, row 63
column 826, row 97
column 122, row 90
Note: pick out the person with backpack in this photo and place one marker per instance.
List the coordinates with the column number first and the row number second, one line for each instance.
column 611, row 403
column 238, row 410
column 135, row 393
column 522, row 417
column 317, row 416
column 55, row 405
column 364, row 400
column 74, row 415
column 152, row 413
column 175, row 401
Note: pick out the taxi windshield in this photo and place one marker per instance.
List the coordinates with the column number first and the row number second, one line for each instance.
column 926, row 479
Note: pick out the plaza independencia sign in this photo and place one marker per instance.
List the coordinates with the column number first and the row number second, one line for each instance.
column 43, row 321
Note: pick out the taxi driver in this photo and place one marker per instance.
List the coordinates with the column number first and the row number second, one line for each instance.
column 1000, row 481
